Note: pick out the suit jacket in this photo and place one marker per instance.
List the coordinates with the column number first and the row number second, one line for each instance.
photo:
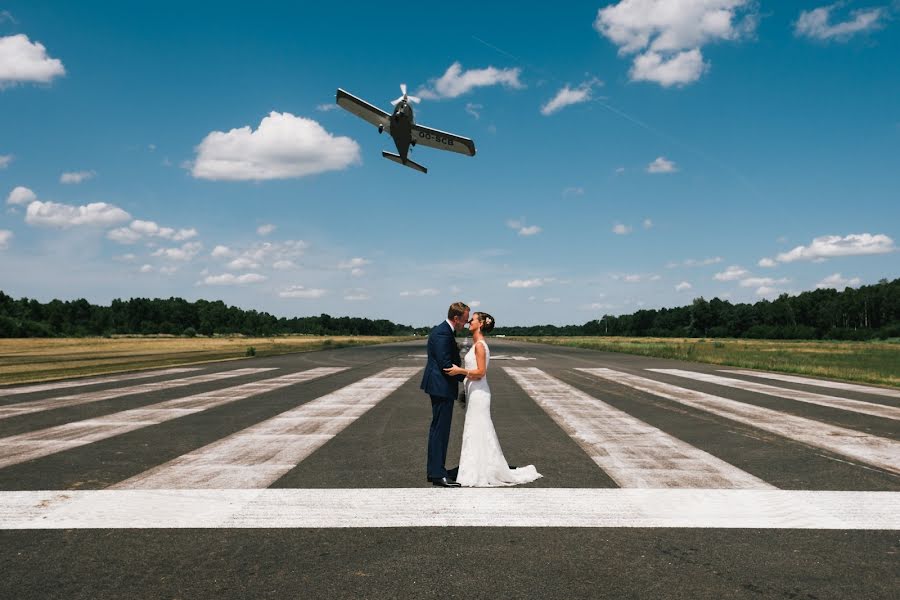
column 442, row 353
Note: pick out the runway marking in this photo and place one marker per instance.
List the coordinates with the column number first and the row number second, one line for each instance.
column 838, row 385
column 857, row 406
column 633, row 453
column 869, row 449
column 55, row 385
column 43, row 442
column 257, row 456
column 23, row 408
column 433, row 507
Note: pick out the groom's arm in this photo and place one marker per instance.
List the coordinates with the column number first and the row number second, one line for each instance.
column 446, row 353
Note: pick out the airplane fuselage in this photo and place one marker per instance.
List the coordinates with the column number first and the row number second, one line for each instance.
column 402, row 121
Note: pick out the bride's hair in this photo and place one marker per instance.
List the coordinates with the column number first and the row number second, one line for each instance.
column 487, row 322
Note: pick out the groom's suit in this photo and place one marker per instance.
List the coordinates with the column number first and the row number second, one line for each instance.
column 443, row 389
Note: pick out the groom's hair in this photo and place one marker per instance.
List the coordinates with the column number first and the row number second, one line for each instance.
column 457, row 309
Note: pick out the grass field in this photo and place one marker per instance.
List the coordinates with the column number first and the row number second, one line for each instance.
column 870, row 362
column 42, row 359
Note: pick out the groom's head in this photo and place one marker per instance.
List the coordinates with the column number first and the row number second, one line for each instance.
column 458, row 315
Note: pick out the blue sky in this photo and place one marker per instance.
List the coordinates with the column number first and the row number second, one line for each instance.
column 707, row 147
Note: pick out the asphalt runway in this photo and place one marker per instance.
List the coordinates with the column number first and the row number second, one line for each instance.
column 303, row 476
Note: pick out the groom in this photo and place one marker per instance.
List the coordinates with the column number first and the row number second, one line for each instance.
column 443, row 389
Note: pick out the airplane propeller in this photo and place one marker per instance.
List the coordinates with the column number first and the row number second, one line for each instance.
column 405, row 96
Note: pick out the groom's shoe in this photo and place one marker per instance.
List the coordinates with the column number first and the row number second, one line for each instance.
column 444, row 482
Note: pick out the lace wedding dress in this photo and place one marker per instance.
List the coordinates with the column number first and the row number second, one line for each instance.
column 482, row 463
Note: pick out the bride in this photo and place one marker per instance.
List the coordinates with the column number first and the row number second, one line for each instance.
column 482, row 463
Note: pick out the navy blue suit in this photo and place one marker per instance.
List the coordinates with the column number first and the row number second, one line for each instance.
column 443, row 389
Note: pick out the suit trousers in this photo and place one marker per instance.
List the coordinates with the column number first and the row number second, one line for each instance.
column 439, row 435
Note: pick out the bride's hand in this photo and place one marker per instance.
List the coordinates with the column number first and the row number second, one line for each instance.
column 454, row 370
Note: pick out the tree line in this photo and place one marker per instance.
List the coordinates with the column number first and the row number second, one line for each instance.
column 869, row 312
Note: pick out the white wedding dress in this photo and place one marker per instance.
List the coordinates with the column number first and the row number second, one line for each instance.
column 482, row 463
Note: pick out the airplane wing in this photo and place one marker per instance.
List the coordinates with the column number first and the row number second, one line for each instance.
column 362, row 109
column 434, row 138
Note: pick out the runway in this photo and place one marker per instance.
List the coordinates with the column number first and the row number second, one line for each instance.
column 303, row 476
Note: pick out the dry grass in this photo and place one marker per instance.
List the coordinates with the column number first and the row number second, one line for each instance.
column 869, row 362
column 42, row 359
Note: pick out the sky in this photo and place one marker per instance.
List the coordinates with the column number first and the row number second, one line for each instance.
column 631, row 154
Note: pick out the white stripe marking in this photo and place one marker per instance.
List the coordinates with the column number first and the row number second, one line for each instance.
column 56, row 385
column 870, row 449
column 633, row 453
column 430, row 507
column 24, row 408
column 838, row 385
column 857, row 406
column 43, row 442
column 257, row 456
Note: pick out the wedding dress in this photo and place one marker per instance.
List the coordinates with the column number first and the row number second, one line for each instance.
column 482, row 463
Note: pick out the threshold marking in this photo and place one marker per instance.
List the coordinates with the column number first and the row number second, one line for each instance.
column 633, row 453
column 257, row 456
column 56, row 385
column 857, row 406
column 838, row 385
column 872, row 450
column 23, row 447
column 432, row 507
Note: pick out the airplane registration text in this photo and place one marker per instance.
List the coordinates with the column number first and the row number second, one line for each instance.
column 438, row 138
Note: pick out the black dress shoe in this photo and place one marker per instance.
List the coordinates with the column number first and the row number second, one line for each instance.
column 444, row 482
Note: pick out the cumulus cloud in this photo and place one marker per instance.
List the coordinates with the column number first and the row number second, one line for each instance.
column 692, row 262
column 21, row 195
column 232, row 279
column 52, row 214
column 76, row 176
column 356, row 295
column 524, row 230
column 184, row 253
column 221, row 251
column 837, row 282
column 22, row 60
column 298, row 291
column 815, row 24
column 283, row 146
column 732, row 273
column 242, row 264
column 648, row 224
column 354, row 265
column 474, row 109
column 832, row 246
column 474, row 303
column 284, row 265
column 6, row 237
column 662, row 165
column 528, row 283
column 420, row 293
column 620, row 229
column 767, row 282
column 139, row 229
column 455, row 81
column 568, row 96
column 5, row 159
column 666, row 36
column 683, row 286
column 766, row 263
column 265, row 229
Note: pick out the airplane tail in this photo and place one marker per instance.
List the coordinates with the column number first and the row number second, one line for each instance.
column 409, row 163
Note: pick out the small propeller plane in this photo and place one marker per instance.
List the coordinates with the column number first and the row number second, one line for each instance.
column 402, row 126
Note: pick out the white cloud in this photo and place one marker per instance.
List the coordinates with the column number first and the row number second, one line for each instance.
column 763, row 281
column 620, row 229
column 283, row 265
column 76, row 177
column 328, row 107
column 125, row 257
column 242, row 264
column 474, row 303
column 146, row 269
column 21, row 195
column 6, row 237
column 265, row 229
column 568, row 96
column 473, row 109
column 420, row 293
column 662, row 165
column 283, row 146
column 684, row 285
column 139, row 229
column 552, row 300
column 185, row 252
column 124, row 235
column 731, row 273
column 648, row 224
column 526, row 283
column 522, row 229
column 766, row 291
column 815, row 23
column 52, row 214
column 573, row 191
column 221, row 251
column 838, row 282
column 597, row 306
column 767, row 263
column 456, row 82
column 5, row 159
column 831, row 246
column 232, row 279
column 691, row 262
column 357, row 295
column 22, row 60
column 298, row 291
column 354, row 263
column 667, row 35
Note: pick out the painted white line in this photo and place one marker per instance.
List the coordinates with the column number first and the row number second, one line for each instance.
column 257, row 456
column 869, row 449
column 24, row 408
column 57, row 385
column 838, row 385
column 431, row 507
column 43, row 442
column 857, row 406
column 633, row 453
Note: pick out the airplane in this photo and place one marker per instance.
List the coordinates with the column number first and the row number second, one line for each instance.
column 402, row 126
